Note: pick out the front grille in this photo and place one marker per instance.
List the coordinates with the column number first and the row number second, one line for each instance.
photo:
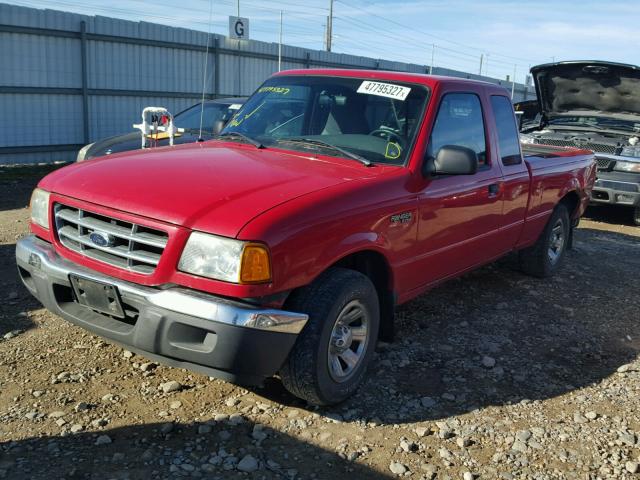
column 130, row 246
column 604, row 163
column 595, row 147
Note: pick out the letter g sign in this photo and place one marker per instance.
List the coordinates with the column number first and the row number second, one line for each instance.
column 239, row 28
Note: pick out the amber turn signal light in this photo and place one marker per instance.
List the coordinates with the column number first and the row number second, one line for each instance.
column 256, row 264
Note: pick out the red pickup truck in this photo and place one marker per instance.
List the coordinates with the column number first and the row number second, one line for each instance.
column 284, row 245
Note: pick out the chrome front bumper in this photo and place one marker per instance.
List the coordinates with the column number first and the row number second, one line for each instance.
column 178, row 326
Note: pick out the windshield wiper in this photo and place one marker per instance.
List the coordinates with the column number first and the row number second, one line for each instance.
column 242, row 136
column 320, row 143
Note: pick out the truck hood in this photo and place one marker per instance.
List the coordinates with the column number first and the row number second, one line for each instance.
column 213, row 186
column 588, row 87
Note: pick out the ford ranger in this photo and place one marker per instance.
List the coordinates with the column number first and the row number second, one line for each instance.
column 594, row 105
column 283, row 246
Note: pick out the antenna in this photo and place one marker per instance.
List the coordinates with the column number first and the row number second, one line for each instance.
column 206, row 63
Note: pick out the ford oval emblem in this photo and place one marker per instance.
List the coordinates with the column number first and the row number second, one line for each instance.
column 101, row 239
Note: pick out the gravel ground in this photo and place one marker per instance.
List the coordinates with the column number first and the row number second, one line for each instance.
column 493, row 376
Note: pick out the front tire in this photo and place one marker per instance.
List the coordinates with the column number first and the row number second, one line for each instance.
column 329, row 360
column 545, row 257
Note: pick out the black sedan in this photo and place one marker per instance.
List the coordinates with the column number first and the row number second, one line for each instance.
column 188, row 121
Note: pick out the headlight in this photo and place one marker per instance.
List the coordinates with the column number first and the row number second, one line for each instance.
column 225, row 259
column 40, row 208
column 526, row 138
column 83, row 152
column 627, row 166
column 631, row 151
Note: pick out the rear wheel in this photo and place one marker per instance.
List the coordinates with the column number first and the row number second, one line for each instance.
column 545, row 257
column 330, row 357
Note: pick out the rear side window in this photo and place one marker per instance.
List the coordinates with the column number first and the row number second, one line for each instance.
column 460, row 123
column 508, row 138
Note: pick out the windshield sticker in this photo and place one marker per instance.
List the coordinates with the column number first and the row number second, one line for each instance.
column 393, row 151
column 388, row 90
column 235, row 106
column 237, row 120
column 281, row 90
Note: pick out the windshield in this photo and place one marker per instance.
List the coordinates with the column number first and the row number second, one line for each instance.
column 376, row 121
column 190, row 119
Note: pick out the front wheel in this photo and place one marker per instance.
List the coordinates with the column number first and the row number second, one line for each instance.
column 544, row 258
column 330, row 357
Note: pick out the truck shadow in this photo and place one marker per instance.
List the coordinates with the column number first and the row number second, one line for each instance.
column 498, row 337
column 614, row 215
column 17, row 302
column 144, row 452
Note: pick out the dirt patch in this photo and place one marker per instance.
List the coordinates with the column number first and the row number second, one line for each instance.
column 497, row 375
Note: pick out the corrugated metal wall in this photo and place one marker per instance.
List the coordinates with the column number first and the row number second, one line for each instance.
column 68, row 79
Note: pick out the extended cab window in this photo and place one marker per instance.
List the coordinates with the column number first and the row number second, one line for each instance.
column 508, row 138
column 460, row 123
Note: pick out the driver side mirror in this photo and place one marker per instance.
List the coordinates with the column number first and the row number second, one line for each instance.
column 451, row 160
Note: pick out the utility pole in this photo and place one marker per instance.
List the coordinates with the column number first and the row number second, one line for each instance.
column 238, row 5
column 329, row 26
column 280, row 45
column 481, row 59
column 433, row 53
column 513, row 82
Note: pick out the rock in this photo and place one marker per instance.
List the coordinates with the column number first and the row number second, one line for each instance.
column 231, row 402
column 31, row 415
column 467, row 476
column 632, row 467
column 187, row 467
column 37, row 393
column 171, row 386
column 82, row 406
column 147, row 367
column 523, row 435
column 579, row 418
column 449, row 396
column 627, row 438
column 519, row 446
column 324, row 436
column 624, row 368
column 76, row 428
column 422, row 431
column 100, row 422
column 427, row 402
column 247, row 464
column 61, row 422
column 258, row 433
column 488, row 362
column 591, row 415
column 166, row 428
column 463, row 442
column 109, row 397
column 408, row 446
column 56, row 414
column 127, row 354
column 175, row 405
column 118, row 457
column 204, row 429
column 397, row 468
column 12, row 334
column 103, row 440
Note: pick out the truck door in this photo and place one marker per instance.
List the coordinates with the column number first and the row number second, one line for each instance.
column 460, row 216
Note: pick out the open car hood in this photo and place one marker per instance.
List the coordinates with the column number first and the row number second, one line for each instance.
column 588, row 87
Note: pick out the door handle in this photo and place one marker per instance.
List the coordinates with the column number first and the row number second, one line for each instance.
column 494, row 189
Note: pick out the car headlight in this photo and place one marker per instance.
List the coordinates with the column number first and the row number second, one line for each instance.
column 82, row 154
column 631, row 151
column 627, row 166
column 40, row 207
column 225, row 259
column 526, row 138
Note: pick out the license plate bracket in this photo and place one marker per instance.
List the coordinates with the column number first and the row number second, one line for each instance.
column 98, row 296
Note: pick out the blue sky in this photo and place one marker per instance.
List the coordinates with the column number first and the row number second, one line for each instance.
column 507, row 33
